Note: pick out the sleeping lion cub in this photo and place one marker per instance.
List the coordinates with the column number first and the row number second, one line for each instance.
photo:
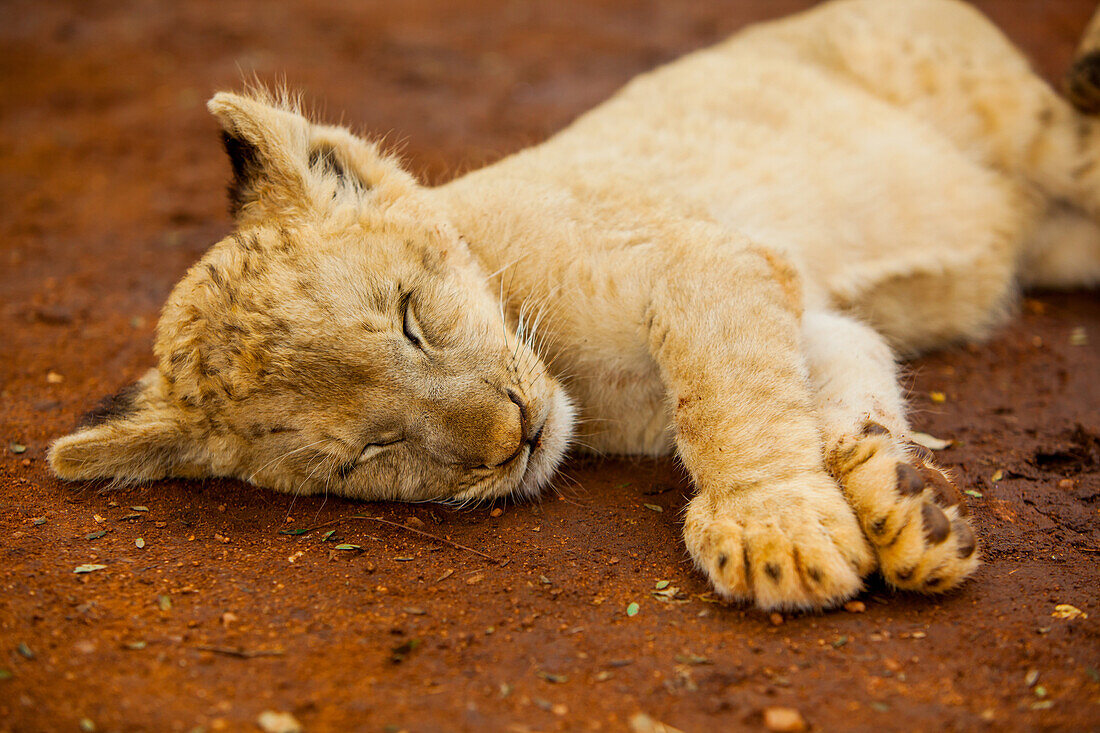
column 722, row 261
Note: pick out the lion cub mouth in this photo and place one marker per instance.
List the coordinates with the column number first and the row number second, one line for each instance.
column 547, row 448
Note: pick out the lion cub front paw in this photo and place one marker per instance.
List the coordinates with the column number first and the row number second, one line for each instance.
column 913, row 514
column 795, row 546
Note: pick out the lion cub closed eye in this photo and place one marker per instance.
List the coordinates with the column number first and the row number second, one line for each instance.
column 719, row 262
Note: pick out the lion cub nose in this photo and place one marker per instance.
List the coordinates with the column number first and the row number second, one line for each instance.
column 511, row 434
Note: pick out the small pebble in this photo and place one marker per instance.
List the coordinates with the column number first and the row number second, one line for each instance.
column 271, row 721
column 855, row 607
column 784, row 720
column 496, row 512
column 776, row 619
column 54, row 378
column 139, row 542
column 414, row 522
column 642, row 723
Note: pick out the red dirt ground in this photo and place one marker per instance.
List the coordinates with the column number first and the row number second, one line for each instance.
column 112, row 182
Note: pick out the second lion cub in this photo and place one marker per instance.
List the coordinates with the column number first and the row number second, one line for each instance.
column 721, row 261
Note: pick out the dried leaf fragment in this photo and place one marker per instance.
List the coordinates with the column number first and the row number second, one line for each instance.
column 930, row 442
column 1068, row 612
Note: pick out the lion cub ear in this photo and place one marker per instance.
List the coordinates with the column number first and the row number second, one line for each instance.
column 283, row 164
column 268, row 147
column 132, row 436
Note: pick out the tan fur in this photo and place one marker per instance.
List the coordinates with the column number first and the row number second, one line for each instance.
column 721, row 261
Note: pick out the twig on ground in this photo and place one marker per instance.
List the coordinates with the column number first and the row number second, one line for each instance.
column 429, row 535
column 241, row 653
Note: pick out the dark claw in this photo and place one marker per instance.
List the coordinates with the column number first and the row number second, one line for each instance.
column 932, row 582
column 722, row 560
column 815, row 574
column 878, row 526
column 774, row 571
column 905, row 574
column 910, row 482
column 936, row 525
column 967, row 541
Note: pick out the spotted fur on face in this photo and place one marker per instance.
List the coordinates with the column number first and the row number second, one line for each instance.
column 342, row 339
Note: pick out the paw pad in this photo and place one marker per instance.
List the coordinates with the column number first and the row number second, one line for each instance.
column 967, row 542
column 946, row 492
column 935, row 522
column 910, row 482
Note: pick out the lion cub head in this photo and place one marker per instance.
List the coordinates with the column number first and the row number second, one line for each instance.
column 342, row 339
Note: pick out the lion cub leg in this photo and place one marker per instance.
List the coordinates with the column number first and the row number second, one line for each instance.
column 910, row 510
column 768, row 523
